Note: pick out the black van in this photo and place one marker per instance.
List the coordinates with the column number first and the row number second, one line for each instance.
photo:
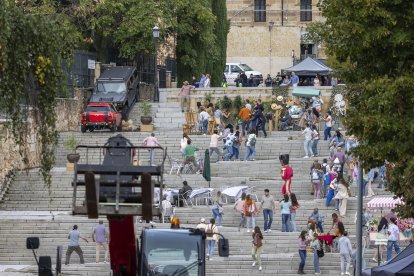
column 117, row 85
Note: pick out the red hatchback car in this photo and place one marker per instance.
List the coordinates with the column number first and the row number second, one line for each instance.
column 100, row 116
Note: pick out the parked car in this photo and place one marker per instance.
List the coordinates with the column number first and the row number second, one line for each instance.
column 119, row 86
column 101, row 116
column 233, row 69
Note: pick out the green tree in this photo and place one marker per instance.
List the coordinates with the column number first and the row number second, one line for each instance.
column 221, row 29
column 196, row 41
column 33, row 48
column 372, row 41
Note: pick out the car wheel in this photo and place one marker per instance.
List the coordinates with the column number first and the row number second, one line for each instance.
column 113, row 127
column 83, row 128
column 91, row 129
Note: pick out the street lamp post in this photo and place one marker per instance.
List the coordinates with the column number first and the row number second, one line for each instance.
column 156, row 35
column 271, row 24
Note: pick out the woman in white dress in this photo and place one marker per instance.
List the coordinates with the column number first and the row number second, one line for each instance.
column 342, row 195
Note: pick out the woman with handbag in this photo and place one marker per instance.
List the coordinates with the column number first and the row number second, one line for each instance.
column 257, row 248
column 316, row 245
column 217, row 208
column 250, row 212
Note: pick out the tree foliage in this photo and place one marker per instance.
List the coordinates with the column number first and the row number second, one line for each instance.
column 32, row 50
column 221, row 29
column 372, row 41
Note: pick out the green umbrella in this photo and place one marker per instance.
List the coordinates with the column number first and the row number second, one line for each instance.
column 206, row 168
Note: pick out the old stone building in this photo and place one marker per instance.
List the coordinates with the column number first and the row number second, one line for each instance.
column 267, row 34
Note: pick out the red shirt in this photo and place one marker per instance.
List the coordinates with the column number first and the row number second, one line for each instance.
column 287, row 172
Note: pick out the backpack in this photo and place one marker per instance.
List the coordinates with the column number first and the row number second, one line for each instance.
column 257, row 241
column 253, row 141
column 210, row 231
column 324, row 168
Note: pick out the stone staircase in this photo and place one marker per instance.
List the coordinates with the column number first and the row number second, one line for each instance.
column 31, row 209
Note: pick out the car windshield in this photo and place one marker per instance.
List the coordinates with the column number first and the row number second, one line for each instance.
column 110, row 87
column 246, row 67
column 171, row 254
column 97, row 109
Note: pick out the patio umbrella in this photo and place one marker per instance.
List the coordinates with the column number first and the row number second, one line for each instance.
column 206, row 168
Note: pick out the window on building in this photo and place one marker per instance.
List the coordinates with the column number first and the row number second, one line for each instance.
column 305, row 10
column 259, row 10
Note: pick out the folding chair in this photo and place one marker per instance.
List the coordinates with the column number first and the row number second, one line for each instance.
column 190, row 124
column 176, row 165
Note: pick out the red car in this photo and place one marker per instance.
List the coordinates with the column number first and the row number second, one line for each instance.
column 100, row 116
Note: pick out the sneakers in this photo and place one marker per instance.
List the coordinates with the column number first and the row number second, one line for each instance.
column 342, row 273
column 254, row 263
column 347, row 273
column 265, row 231
column 374, row 260
column 269, row 230
column 210, row 259
column 306, row 156
column 260, row 268
column 248, row 230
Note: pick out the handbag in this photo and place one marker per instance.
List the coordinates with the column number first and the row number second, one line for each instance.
column 320, row 253
column 221, row 210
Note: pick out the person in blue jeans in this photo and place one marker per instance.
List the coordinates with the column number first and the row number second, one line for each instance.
column 316, row 218
column 393, row 238
column 268, row 206
column 328, row 126
column 302, row 244
column 285, row 207
column 217, row 207
column 315, row 244
column 250, row 146
column 211, row 237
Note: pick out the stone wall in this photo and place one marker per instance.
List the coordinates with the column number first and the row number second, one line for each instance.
column 67, row 119
column 252, row 93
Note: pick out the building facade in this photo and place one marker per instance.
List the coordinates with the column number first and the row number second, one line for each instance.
column 268, row 34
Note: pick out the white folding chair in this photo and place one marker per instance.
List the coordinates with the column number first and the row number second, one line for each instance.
column 176, row 165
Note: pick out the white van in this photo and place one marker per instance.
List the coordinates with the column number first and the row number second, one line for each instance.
column 233, row 69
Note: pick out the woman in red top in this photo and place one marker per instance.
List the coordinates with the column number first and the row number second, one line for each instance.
column 287, row 174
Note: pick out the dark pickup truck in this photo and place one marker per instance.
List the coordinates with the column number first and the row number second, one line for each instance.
column 119, row 86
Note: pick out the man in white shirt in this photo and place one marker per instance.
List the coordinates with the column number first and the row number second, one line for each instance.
column 248, row 105
column 213, row 145
column 307, row 144
column 229, row 145
column 393, row 238
column 204, row 116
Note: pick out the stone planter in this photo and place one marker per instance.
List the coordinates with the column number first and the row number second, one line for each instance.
column 146, row 120
column 73, row 157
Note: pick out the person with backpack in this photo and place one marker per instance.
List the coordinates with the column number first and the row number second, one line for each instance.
column 250, row 212
column 250, row 146
column 345, row 250
column 257, row 248
column 236, row 146
column 302, row 244
column 211, row 237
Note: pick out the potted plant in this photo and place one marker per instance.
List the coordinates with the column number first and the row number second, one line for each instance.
column 70, row 145
column 146, row 107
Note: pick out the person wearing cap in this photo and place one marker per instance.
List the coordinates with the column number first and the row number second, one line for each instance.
column 100, row 237
column 185, row 96
column 202, row 225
